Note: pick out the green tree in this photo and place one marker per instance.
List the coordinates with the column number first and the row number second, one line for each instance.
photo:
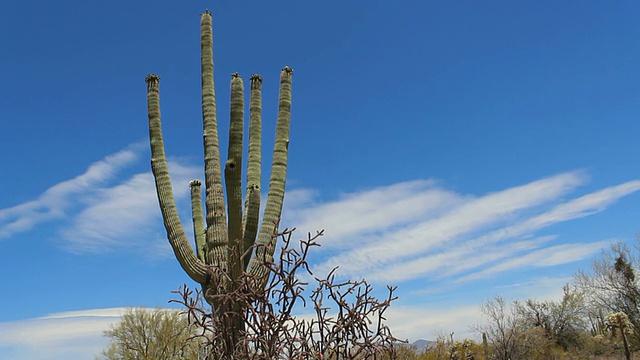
column 151, row 334
column 509, row 334
column 611, row 286
column 226, row 240
column 562, row 321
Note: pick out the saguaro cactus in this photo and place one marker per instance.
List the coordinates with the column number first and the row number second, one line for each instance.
column 232, row 241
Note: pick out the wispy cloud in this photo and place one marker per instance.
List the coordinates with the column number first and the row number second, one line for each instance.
column 55, row 201
column 112, row 205
column 79, row 334
column 550, row 256
column 403, row 231
column 70, row 335
column 418, row 229
column 125, row 215
column 370, row 211
column 427, row 322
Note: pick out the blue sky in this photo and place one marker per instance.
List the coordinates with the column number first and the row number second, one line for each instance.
column 457, row 150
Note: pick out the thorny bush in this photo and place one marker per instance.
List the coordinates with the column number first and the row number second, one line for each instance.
column 347, row 322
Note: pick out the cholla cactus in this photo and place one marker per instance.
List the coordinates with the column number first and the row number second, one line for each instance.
column 230, row 241
column 620, row 321
column 485, row 345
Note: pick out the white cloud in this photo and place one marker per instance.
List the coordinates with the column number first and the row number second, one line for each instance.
column 55, row 201
column 377, row 209
column 70, row 335
column 540, row 288
column 550, row 256
column 79, row 334
column 125, row 215
column 417, row 229
column 460, row 259
column 425, row 322
column 391, row 233
column 97, row 313
column 103, row 209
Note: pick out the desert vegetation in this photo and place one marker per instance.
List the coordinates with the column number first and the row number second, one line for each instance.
column 587, row 322
column 595, row 318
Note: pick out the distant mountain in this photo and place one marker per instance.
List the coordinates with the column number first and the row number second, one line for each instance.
column 421, row 344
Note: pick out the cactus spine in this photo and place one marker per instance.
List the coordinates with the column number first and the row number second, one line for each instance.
column 224, row 245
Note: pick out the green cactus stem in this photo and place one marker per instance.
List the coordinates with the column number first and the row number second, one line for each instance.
column 275, row 197
column 216, row 234
column 233, row 174
column 198, row 220
column 228, row 239
column 254, row 169
column 195, row 268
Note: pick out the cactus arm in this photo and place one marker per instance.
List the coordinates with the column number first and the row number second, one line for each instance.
column 175, row 232
column 275, row 197
column 216, row 234
column 198, row 219
column 254, row 170
column 233, row 176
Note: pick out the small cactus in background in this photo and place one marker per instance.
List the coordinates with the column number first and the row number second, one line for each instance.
column 620, row 321
column 228, row 241
column 485, row 346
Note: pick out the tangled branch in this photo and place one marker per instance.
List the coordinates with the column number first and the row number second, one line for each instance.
column 348, row 322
